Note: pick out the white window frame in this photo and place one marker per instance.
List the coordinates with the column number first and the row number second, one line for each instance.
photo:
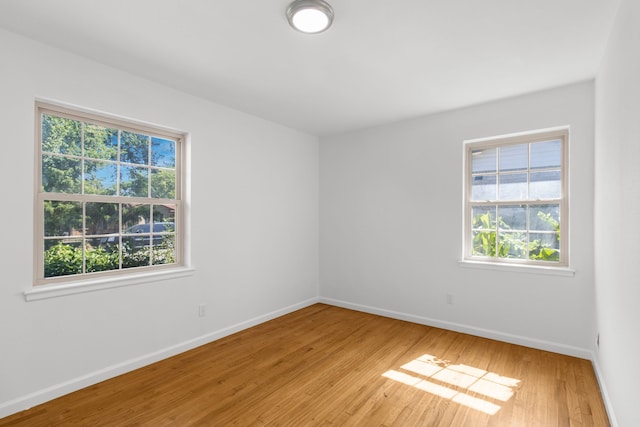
column 83, row 282
column 551, row 267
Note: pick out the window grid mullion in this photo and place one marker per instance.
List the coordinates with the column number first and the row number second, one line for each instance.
column 561, row 201
column 71, row 235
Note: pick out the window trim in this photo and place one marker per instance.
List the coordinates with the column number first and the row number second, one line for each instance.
column 62, row 285
column 59, row 289
column 561, row 267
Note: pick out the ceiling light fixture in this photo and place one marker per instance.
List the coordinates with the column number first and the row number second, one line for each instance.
column 310, row 16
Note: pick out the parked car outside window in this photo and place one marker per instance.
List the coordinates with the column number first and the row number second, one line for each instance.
column 139, row 235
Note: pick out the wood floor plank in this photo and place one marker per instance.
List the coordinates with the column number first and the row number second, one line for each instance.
column 328, row 366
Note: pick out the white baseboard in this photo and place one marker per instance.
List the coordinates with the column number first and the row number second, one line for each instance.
column 55, row 391
column 471, row 330
column 603, row 390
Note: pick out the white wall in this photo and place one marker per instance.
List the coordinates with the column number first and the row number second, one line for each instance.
column 254, row 230
column 391, row 216
column 617, row 214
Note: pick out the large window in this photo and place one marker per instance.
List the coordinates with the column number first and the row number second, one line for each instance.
column 108, row 199
column 516, row 201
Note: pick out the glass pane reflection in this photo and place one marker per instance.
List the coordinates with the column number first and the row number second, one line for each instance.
column 546, row 154
column 134, row 148
column 134, row 181
column 100, row 178
column 514, row 157
column 163, row 183
column 100, row 142
column 163, row 152
column 483, row 187
column 62, row 218
column 483, row 160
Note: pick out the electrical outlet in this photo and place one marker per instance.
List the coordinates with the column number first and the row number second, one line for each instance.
column 202, row 310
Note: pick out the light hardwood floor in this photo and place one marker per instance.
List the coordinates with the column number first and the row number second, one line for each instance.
column 327, row 366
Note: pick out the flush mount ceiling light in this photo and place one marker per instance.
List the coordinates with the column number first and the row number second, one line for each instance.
column 310, row 16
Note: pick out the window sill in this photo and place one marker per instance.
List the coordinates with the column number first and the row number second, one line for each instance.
column 71, row 288
column 518, row 268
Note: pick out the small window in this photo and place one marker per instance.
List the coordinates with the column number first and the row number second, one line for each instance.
column 108, row 196
column 516, row 200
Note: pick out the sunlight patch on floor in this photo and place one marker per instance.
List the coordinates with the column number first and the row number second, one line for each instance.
column 455, row 382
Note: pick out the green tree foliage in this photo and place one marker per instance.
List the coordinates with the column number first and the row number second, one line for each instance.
column 101, row 218
column 135, row 214
column 62, row 218
column 100, row 142
column 80, row 157
column 61, row 174
column 61, row 135
column 488, row 242
column 163, row 183
column 63, row 260
column 544, row 252
column 506, row 244
column 134, row 148
column 135, row 181
column 100, row 259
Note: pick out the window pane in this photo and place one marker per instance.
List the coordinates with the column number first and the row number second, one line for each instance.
column 138, row 228
column 512, row 245
column 100, row 142
column 514, row 157
column 544, row 246
column 137, row 236
column 545, row 154
column 513, row 217
column 108, row 241
column 134, row 148
column 61, row 136
column 134, row 214
column 62, row 218
column 483, row 187
column 483, row 220
column 483, row 160
column 164, row 213
column 102, row 218
column 102, row 258
column 544, row 218
column 61, row 174
column 163, row 183
column 100, row 178
column 134, row 255
column 62, row 257
column 484, row 243
column 515, row 194
column 163, row 153
column 483, row 217
column 164, row 251
column 97, row 167
column 134, row 181
column 513, row 187
column 545, row 185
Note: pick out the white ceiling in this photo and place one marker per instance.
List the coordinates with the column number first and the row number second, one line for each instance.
column 381, row 61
